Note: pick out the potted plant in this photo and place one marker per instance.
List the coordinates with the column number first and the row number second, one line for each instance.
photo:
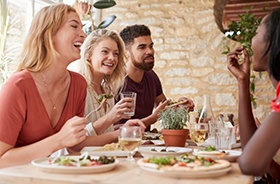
column 174, row 127
column 85, row 11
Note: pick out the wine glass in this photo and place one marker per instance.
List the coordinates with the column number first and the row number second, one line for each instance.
column 130, row 138
column 199, row 132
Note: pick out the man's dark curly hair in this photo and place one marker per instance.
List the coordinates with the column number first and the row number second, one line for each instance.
column 130, row 32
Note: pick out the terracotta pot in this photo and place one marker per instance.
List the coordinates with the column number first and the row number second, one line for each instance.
column 175, row 137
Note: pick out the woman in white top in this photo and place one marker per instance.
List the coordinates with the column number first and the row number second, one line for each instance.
column 102, row 64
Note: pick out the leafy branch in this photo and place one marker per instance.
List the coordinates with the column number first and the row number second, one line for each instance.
column 243, row 31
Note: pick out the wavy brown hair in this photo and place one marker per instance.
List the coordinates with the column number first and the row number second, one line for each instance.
column 38, row 50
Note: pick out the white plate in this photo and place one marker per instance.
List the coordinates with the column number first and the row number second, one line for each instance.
column 170, row 151
column 94, row 152
column 186, row 174
column 44, row 165
column 231, row 155
column 236, row 145
column 211, row 142
column 153, row 142
column 152, row 136
column 156, row 142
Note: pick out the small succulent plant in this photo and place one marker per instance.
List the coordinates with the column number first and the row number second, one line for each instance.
column 174, row 118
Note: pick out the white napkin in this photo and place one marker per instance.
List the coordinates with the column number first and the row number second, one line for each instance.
column 228, row 124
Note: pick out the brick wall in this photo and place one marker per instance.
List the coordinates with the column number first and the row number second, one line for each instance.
column 188, row 47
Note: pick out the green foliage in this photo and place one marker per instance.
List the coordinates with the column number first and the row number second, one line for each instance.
column 243, row 31
column 199, row 112
column 87, row 17
column 7, row 53
column 174, row 118
column 4, row 29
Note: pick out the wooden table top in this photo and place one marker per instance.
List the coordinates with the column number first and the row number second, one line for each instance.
column 123, row 173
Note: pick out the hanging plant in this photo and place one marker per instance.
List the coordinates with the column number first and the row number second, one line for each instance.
column 243, row 31
column 85, row 10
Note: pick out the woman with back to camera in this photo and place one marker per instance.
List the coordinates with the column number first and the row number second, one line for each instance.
column 42, row 104
column 259, row 145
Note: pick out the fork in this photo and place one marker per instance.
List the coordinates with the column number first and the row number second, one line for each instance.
column 99, row 107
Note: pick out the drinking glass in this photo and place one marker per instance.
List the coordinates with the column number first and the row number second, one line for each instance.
column 223, row 138
column 130, row 139
column 133, row 96
column 199, row 132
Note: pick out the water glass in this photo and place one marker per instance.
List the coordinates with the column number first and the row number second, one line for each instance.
column 223, row 138
column 133, row 96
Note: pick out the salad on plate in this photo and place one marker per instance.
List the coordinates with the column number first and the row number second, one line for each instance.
column 83, row 160
column 212, row 152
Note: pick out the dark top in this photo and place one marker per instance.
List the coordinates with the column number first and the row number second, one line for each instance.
column 147, row 91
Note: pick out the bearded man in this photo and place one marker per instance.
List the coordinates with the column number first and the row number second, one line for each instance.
column 141, row 78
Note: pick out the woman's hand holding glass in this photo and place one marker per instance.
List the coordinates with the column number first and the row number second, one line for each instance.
column 118, row 111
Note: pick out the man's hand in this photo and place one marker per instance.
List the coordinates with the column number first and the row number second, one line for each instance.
column 187, row 103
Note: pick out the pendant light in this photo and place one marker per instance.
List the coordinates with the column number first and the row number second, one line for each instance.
column 101, row 4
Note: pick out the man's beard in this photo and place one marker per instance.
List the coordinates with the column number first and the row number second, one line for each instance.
column 143, row 66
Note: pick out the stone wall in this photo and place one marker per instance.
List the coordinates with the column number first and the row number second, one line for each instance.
column 188, row 47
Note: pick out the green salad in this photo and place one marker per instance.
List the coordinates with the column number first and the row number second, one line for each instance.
column 83, row 160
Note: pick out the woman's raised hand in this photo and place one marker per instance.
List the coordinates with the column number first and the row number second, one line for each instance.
column 241, row 70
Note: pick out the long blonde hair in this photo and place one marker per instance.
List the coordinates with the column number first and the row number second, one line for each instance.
column 38, row 49
column 116, row 79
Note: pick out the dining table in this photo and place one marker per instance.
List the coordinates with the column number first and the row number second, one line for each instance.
column 123, row 173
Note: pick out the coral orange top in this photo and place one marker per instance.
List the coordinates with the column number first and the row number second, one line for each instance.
column 275, row 104
column 23, row 117
column 275, row 107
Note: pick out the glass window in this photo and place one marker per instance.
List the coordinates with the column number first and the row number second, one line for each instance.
column 21, row 14
column 70, row 2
